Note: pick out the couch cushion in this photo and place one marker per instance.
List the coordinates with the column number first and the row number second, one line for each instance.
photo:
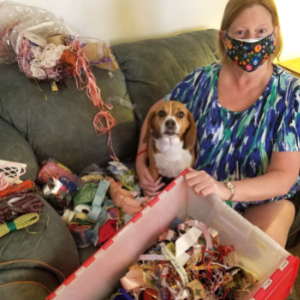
column 62, row 126
column 152, row 68
column 14, row 147
column 36, row 284
column 23, row 291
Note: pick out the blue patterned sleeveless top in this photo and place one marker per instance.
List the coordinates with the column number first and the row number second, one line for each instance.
column 238, row 145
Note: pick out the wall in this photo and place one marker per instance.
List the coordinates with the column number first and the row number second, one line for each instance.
column 127, row 20
column 289, row 18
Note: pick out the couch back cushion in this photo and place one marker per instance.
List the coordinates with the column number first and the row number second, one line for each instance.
column 62, row 126
column 152, row 68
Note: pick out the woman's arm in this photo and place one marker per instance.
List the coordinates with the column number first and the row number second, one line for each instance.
column 281, row 176
column 147, row 183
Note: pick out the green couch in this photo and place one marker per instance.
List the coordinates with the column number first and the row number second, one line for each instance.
column 32, row 129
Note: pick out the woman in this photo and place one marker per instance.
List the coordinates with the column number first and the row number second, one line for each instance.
column 246, row 110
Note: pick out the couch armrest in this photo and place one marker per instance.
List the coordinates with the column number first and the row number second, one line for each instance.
column 14, row 147
column 33, row 265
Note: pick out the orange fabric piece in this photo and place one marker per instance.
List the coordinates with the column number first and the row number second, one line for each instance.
column 17, row 187
column 124, row 199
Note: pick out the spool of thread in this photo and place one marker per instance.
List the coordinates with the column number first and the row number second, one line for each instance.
column 82, row 209
column 54, row 88
column 81, row 216
column 68, row 216
column 81, row 219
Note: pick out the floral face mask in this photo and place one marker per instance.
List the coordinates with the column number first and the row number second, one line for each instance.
column 250, row 54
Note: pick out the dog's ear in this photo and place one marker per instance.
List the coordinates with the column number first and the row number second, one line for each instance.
column 149, row 127
column 191, row 134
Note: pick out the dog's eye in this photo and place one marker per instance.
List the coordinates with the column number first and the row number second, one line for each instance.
column 161, row 113
column 180, row 115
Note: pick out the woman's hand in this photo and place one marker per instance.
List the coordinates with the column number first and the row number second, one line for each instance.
column 204, row 185
column 150, row 187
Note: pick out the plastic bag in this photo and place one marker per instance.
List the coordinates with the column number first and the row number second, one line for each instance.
column 13, row 18
column 59, row 191
column 41, row 28
column 52, row 168
column 46, row 48
column 97, row 52
column 33, row 37
column 36, row 31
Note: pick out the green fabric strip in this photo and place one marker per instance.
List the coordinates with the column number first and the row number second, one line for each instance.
column 11, row 226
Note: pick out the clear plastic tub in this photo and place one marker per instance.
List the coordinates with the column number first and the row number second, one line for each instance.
column 98, row 276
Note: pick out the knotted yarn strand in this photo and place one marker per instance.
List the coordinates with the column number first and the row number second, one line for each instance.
column 103, row 121
column 19, row 223
column 111, row 122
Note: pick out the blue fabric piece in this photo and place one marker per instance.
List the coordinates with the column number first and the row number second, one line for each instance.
column 96, row 209
column 175, row 223
column 71, row 187
column 101, row 192
column 108, row 203
column 101, row 220
column 95, row 213
column 126, row 295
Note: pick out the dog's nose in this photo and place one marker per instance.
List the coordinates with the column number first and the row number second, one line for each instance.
column 170, row 124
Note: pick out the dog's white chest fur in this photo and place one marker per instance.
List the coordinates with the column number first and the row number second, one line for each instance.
column 172, row 159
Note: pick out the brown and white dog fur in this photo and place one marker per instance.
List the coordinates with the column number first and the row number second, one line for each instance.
column 171, row 136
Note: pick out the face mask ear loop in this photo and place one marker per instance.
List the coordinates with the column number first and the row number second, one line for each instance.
column 274, row 39
column 226, row 35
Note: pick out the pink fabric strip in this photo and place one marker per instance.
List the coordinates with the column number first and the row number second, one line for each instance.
column 103, row 121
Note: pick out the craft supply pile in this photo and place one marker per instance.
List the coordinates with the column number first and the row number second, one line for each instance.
column 188, row 263
column 94, row 205
column 49, row 50
column 20, row 205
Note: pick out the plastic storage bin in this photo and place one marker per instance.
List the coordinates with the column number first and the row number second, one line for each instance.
column 98, row 276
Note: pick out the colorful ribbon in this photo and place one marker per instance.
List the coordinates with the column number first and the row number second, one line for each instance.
column 103, row 121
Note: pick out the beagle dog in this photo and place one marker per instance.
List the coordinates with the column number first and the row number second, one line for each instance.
column 171, row 136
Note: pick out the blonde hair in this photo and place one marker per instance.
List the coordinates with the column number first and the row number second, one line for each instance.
column 233, row 9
